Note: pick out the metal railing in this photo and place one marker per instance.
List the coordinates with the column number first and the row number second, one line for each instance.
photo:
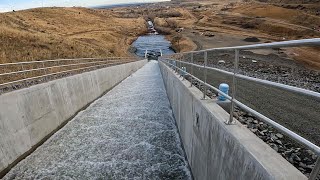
column 176, row 58
column 20, row 73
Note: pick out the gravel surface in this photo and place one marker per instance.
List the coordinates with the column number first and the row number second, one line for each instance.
column 129, row 133
column 272, row 67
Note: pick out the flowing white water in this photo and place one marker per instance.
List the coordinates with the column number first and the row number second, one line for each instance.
column 129, row 133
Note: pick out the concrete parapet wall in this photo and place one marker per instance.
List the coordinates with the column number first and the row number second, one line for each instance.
column 216, row 150
column 28, row 115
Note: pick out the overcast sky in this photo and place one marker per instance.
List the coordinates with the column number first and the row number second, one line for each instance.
column 9, row 5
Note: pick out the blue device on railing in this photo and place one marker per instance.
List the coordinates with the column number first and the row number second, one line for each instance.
column 173, row 63
column 224, row 88
column 183, row 71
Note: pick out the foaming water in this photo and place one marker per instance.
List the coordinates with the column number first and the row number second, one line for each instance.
column 129, row 133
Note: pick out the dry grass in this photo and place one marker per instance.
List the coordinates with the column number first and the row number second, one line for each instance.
column 265, row 21
column 185, row 44
column 282, row 16
column 169, row 25
column 50, row 33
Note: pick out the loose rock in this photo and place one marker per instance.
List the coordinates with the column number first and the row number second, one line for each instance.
column 279, row 135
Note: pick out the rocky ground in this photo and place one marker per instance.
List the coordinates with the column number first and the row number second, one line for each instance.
column 270, row 67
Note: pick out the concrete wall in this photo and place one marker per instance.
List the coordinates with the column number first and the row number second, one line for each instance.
column 216, row 150
column 28, row 115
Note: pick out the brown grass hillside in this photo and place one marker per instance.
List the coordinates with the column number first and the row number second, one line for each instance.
column 50, row 33
column 238, row 20
column 296, row 18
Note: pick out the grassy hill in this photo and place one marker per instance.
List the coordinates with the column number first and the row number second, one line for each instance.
column 50, row 33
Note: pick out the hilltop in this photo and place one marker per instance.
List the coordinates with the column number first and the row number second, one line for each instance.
column 50, row 33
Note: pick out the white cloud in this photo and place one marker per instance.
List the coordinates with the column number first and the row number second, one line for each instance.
column 5, row 8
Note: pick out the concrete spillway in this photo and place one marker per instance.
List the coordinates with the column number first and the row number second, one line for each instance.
column 129, row 133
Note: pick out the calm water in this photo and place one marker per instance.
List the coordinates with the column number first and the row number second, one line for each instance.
column 154, row 43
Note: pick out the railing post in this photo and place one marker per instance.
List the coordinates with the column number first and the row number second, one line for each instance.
column 183, row 73
column 234, row 84
column 24, row 75
column 205, row 74
column 179, row 65
column 145, row 54
column 180, row 59
column 316, row 170
column 191, row 81
column 45, row 71
column 176, row 63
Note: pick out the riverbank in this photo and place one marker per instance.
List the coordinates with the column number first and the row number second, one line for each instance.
column 52, row 33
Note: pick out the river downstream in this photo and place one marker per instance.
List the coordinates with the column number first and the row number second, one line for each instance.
column 153, row 43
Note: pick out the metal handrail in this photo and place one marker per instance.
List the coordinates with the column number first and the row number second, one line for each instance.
column 235, row 75
column 293, row 43
column 57, row 60
column 104, row 63
column 261, row 81
column 36, row 77
column 267, row 120
column 49, row 67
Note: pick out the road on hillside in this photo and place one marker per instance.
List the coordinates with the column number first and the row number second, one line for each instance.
column 299, row 113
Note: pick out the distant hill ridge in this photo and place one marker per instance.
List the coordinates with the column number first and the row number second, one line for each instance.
column 269, row 1
column 291, row 1
column 119, row 5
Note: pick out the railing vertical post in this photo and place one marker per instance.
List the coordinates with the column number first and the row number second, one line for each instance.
column 316, row 170
column 191, row 81
column 183, row 69
column 145, row 54
column 176, row 63
column 180, row 59
column 205, row 74
column 234, row 85
column 24, row 74
column 45, row 71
